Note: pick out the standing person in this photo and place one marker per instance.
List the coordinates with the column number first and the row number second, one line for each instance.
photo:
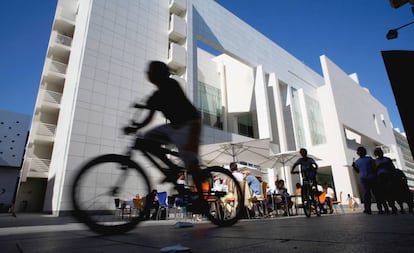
column 385, row 168
column 185, row 125
column 350, row 202
column 236, row 173
column 298, row 189
column 365, row 166
column 298, row 194
column 308, row 166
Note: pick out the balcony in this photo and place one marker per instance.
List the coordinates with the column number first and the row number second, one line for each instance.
column 176, row 58
column 55, row 69
column 60, row 39
column 50, row 97
column 178, row 29
column 44, row 132
column 35, row 167
column 64, row 21
column 178, row 7
column 60, row 46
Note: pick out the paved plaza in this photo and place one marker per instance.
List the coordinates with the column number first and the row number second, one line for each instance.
column 340, row 232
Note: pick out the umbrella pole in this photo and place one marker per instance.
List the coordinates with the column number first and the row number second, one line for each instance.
column 233, row 153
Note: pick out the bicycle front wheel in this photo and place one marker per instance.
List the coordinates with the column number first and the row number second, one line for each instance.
column 108, row 194
column 225, row 207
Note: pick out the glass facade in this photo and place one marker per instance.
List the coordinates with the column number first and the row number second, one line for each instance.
column 316, row 126
column 245, row 125
column 298, row 119
column 210, row 105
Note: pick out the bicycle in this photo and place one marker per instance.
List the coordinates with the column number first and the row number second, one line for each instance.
column 106, row 177
column 310, row 197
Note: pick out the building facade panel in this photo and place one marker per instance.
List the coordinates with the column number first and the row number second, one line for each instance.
column 247, row 88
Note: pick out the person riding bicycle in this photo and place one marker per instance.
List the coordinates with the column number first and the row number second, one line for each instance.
column 184, row 128
column 308, row 167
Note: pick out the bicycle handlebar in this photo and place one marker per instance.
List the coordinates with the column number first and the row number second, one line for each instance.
column 134, row 126
column 140, row 106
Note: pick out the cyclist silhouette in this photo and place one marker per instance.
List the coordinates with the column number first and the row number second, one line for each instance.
column 309, row 190
column 183, row 130
column 185, row 125
column 307, row 164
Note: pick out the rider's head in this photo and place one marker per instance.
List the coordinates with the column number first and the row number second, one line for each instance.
column 303, row 152
column 157, row 72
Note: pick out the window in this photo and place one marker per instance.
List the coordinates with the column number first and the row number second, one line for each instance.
column 245, row 125
column 210, row 105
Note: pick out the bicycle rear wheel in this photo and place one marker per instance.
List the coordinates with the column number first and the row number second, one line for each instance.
column 307, row 201
column 225, row 207
column 103, row 192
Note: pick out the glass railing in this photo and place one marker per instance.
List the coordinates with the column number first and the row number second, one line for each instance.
column 45, row 129
column 62, row 39
column 39, row 165
column 65, row 14
column 56, row 66
column 51, row 96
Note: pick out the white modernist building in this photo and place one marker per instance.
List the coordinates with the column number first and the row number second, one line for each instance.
column 246, row 86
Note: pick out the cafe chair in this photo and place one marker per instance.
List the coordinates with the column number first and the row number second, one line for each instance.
column 123, row 208
column 163, row 205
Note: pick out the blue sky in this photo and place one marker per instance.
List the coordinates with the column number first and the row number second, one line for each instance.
column 350, row 32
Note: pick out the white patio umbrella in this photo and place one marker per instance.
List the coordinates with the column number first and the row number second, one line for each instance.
column 286, row 161
column 249, row 152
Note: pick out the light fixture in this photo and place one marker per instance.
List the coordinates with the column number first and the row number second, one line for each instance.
column 393, row 33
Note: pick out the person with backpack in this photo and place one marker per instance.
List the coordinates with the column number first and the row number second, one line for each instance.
column 385, row 169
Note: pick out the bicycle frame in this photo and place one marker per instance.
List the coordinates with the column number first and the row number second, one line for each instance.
column 94, row 209
column 150, row 148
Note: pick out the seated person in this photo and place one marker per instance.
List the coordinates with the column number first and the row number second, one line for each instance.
column 153, row 199
column 283, row 199
column 218, row 184
column 253, row 183
column 183, row 190
column 326, row 198
column 182, row 186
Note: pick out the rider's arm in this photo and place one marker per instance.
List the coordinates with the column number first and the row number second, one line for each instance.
column 292, row 171
column 147, row 120
column 134, row 126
